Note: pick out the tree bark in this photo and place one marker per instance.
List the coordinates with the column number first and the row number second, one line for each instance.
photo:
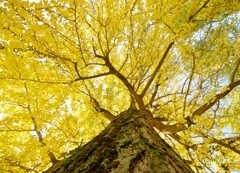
column 128, row 145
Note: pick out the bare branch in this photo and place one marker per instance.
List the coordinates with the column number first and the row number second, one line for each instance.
column 193, row 15
column 166, row 52
column 18, row 164
column 77, row 32
column 129, row 86
column 39, row 134
column 123, row 63
column 168, row 128
column 170, row 28
column 143, row 77
column 215, row 99
column 233, row 138
column 18, row 130
column 226, row 145
column 97, row 106
column 50, row 27
column 112, row 70
column 157, row 69
column 189, row 85
column 91, row 77
column 178, row 139
column 33, row 80
column 162, row 127
column 235, row 70
column 108, row 114
column 154, row 95
column 60, row 82
column 169, row 94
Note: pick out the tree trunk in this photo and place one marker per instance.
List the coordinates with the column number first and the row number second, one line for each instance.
column 128, row 145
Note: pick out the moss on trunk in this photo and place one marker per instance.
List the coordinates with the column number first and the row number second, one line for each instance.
column 129, row 144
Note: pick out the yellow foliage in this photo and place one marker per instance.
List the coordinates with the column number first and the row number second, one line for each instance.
column 175, row 58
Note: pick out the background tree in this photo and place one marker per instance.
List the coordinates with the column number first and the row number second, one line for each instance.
column 68, row 67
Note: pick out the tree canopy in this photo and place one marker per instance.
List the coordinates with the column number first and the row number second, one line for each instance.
column 68, row 67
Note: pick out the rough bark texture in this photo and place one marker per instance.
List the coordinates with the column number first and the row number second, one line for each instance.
column 128, row 145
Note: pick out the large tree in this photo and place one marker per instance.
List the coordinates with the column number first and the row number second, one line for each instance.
column 70, row 67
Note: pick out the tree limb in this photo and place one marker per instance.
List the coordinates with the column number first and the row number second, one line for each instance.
column 193, row 15
column 112, row 70
column 166, row 52
column 162, row 127
column 225, row 145
column 235, row 70
column 99, row 108
column 153, row 95
column 17, row 130
column 91, row 77
column 38, row 132
column 189, row 85
column 215, row 99
column 157, row 69
column 167, row 128
column 108, row 114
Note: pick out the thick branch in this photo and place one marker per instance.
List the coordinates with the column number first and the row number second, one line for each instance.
column 162, row 127
column 112, row 70
column 167, row 128
column 225, row 145
column 108, row 114
column 166, row 52
column 99, row 108
column 130, row 88
column 235, row 70
column 215, row 99
column 157, row 69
